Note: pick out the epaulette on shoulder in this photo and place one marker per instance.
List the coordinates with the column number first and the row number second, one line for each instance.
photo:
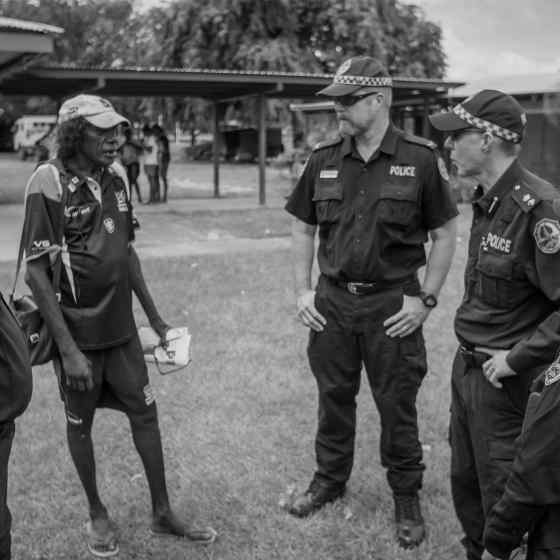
column 525, row 196
column 328, row 143
column 413, row 139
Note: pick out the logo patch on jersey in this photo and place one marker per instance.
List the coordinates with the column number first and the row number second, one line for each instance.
column 547, row 236
column 442, row 169
column 497, row 242
column 552, row 374
column 109, row 224
column 328, row 174
column 75, row 211
column 121, row 201
column 403, row 170
column 41, row 244
column 149, row 394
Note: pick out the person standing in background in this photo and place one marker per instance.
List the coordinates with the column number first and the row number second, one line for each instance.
column 130, row 158
column 164, row 157
column 151, row 167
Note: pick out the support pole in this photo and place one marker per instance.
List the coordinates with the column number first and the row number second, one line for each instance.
column 216, row 148
column 262, row 150
column 425, row 121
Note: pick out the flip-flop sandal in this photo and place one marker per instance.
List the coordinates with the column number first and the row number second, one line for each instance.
column 102, row 546
column 197, row 536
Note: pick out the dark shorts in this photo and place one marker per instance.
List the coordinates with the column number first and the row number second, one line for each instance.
column 121, row 382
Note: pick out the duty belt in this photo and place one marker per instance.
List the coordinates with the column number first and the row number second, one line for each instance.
column 366, row 288
column 472, row 357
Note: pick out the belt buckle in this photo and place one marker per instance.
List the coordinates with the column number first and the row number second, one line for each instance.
column 352, row 287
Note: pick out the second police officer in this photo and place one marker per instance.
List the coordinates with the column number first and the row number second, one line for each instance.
column 508, row 323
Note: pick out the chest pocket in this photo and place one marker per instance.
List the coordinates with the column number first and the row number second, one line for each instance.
column 496, row 285
column 327, row 198
column 397, row 205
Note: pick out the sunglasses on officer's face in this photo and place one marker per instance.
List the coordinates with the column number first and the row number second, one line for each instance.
column 349, row 100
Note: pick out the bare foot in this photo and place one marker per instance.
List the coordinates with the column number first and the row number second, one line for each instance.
column 169, row 524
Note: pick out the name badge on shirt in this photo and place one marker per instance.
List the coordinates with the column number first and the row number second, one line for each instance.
column 328, row 174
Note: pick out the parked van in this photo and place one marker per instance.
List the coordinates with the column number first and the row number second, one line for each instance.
column 28, row 130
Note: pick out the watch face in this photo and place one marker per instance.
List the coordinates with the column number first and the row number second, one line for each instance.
column 429, row 300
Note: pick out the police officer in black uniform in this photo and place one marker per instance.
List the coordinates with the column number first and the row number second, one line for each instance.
column 375, row 193
column 508, row 323
column 531, row 500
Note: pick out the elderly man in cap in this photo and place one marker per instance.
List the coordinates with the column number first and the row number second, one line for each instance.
column 78, row 209
column 508, row 324
column 375, row 193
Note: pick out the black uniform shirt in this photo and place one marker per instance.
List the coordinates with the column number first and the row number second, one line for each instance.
column 512, row 278
column 95, row 287
column 373, row 216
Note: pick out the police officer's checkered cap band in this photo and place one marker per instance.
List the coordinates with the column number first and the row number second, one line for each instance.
column 495, row 129
column 363, row 81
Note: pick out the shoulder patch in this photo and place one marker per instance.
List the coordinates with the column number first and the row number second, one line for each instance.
column 552, row 374
column 525, row 197
column 328, row 143
column 413, row 139
column 547, row 236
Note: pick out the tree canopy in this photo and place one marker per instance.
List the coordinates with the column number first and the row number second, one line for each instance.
column 282, row 35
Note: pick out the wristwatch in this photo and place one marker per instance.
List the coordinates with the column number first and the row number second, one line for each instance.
column 429, row 300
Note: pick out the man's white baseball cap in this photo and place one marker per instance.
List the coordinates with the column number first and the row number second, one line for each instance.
column 96, row 110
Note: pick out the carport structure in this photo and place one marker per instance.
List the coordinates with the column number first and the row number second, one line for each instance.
column 218, row 86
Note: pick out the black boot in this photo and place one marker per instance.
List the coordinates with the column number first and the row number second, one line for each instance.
column 410, row 523
column 315, row 497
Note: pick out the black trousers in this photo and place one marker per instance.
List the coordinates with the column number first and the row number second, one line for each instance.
column 6, row 438
column 485, row 421
column 354, row 335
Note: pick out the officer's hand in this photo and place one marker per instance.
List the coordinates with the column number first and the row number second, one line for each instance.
column 412, row 314
column 307, row 313
column 496, row 367
column 77, row 369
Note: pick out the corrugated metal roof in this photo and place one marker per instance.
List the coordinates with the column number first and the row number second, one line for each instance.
column 522, row 84
column 31, row 26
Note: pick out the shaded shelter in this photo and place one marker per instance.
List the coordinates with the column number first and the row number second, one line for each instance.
column 218, row 86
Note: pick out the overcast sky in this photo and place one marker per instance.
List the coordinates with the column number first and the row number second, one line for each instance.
column 490, row 37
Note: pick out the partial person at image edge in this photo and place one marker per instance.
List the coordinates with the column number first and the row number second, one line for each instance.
column 375, row 194
column 15, row 393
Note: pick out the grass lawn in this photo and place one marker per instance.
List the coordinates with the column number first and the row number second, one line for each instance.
column 238, row 428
